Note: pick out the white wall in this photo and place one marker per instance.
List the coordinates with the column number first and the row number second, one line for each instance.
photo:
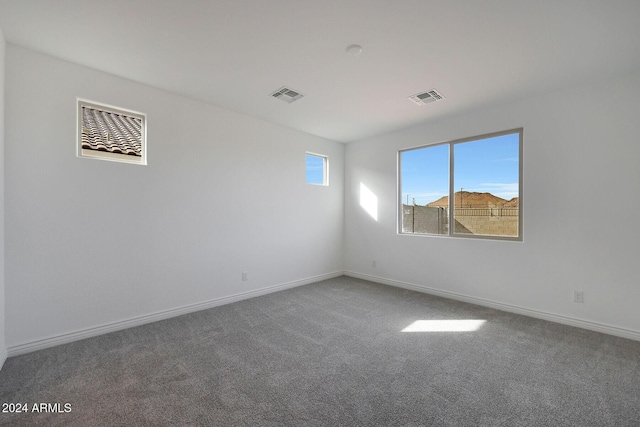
column 92, row 243
column 3, row 346
column 580, row 201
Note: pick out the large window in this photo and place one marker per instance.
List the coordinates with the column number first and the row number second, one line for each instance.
column 110, row 133
column 478, row 179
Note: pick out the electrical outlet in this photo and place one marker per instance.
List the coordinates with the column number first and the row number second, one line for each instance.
column 578, row 296
column 245, row 276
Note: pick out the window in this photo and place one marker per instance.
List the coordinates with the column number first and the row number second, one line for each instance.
column 317, row 169
column 110, row 133
column 479, row 179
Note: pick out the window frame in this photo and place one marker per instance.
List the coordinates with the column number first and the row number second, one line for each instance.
column 451, row 220
column 325, row 169
column 105, row 155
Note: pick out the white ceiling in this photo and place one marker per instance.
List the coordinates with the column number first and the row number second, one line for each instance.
column 234, row 53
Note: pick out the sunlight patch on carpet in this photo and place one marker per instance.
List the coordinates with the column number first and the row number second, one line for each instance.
column 463, row 325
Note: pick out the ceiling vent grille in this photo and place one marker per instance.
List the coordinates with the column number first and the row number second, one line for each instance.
column 426, row 97
column 287, row 95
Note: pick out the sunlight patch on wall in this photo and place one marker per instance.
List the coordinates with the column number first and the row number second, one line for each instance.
column 463, row 325
column 369, row 201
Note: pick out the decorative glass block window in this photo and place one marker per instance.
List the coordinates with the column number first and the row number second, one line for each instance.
column 110, row 133
column 317, row 169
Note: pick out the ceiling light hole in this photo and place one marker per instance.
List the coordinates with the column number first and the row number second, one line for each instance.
column 354, row 49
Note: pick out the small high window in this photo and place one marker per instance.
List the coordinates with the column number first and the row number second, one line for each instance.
column 466, row 188
column 317, row 169
column 110, row 133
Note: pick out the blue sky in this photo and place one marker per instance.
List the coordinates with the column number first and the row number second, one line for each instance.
column 488, row 165
column 315, row 169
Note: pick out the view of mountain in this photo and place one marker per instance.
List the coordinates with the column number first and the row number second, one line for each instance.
column 475, row 200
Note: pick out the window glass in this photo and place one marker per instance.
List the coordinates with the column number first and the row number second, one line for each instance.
column 425, row 184
column 486, row 183
column 481, row 176
column 317, row 169
column 110, row 133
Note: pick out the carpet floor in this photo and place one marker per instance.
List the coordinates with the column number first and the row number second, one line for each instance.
column 332, row 353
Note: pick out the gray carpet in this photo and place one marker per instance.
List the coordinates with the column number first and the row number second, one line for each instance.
column 333, row 354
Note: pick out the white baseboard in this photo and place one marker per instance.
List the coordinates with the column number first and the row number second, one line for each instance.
column 3, row 357
column 565, row 320
column 65, row 338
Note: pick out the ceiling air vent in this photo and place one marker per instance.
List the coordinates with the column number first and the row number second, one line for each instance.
column 287, row 95
column 426, row 97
